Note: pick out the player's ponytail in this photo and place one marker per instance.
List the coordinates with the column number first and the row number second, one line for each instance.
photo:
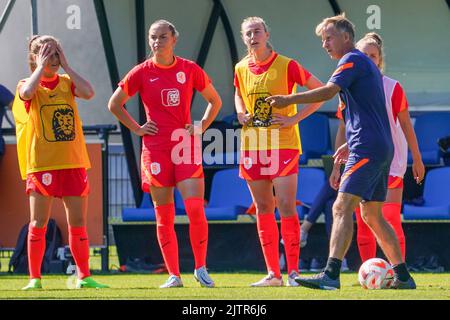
column 374, row 39
column 30, row 43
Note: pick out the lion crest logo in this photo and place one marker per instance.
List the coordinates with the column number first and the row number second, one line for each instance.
column 262, row 112
column 64, row 124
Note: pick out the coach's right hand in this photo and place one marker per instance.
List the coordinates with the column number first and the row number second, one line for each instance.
column 341, row 154
column 149, row 128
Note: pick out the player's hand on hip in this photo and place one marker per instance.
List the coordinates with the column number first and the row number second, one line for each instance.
column 194, row 129
column 283, row 121
column 278, row 101
column 244, row 118
column 149, row 128
column 418, row 170
column 335, row 177
column 341, row 154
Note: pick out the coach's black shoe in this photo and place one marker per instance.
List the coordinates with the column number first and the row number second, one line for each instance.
column 403, row 285
column 319, row 281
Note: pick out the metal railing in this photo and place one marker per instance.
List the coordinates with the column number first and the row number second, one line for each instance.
column 120, row 189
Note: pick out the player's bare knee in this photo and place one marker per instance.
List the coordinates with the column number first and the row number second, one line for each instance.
column 286, row 207
column 265, row 206
column 339, row 209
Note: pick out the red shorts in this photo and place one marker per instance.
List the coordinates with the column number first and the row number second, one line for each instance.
column 268, row 165
column 160, row 169
column 59, row 183
column 395, row 182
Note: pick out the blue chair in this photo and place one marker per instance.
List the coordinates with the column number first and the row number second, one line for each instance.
column 315, row 137
column 230, row 196
column 146, row 211
column 219, row 151
column 222, row 159
column 179, row 203
column 310, row 181
column 231, row 119
column 429, row 128
column 436, row 197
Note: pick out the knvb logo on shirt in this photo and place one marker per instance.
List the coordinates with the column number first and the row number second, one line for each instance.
column 170, row 97
column 181, row 77
column 155, row 168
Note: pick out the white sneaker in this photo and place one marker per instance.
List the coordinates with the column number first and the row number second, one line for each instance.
column 303, row 238
column 172, row 282
column 202, row 276
column 344, row 266
column 291, row 279
column 269, row 281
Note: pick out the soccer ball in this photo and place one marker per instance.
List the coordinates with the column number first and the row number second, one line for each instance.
column 376, row 273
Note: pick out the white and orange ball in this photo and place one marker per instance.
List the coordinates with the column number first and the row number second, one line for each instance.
column 376, row 273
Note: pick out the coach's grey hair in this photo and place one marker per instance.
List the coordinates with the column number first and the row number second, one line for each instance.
column 340, row 22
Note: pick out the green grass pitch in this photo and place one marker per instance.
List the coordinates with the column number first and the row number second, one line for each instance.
column 229, row 286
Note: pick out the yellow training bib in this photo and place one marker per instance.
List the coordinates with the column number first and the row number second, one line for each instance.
column 260, row 133
column 50, row 135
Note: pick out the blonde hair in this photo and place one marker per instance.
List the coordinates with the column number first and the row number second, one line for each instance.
column 340, row 22
column 171, row 26
column 374, row 39
column 256, row 20
column 34, row 46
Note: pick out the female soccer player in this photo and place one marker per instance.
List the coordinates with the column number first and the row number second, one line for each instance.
column 403, row 136
column 270, row 144
column 52, row 153
column 166, row 83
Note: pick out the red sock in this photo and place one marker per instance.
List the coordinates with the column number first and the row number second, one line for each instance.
column 167, row 238
column 391, row 212
column 290, row 231
column 198, row 229
column 367, row 244
column 269, row 238
column 79, row 246
column 36, row 250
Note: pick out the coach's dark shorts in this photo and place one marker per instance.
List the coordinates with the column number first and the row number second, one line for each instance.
column 366, row 178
